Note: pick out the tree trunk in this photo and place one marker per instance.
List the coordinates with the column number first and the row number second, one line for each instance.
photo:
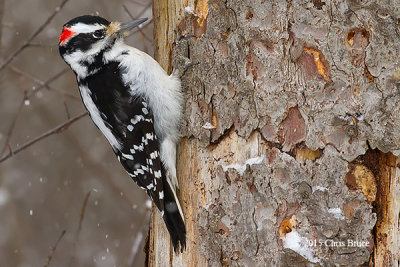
column 291, row 132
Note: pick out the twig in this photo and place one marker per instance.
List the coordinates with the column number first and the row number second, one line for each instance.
column 66, row 110
column 53, row 249
column 47, row 83
column 11, row 129
column 85, row 201
column 60, row 128
column 44, row 84
column 36, row 33
column 41, row 83
column 82, row 216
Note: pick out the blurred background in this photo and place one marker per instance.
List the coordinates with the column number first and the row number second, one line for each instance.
column 70, row 180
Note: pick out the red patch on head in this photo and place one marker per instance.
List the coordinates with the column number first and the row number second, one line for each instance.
column 65, row 35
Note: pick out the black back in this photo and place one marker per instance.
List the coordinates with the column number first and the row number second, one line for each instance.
column 118, row 106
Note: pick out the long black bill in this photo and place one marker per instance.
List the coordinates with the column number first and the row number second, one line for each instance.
column 127, row 26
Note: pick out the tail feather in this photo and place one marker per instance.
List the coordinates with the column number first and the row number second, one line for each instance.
column 173, row 218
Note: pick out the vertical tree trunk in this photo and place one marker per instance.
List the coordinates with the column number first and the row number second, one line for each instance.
column 291, row 133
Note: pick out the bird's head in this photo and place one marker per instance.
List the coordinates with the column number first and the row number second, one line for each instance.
column 85, row 37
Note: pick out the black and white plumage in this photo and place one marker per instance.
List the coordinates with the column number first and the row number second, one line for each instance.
column 134, row 103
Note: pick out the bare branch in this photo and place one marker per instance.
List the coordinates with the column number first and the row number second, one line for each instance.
column 36, row 33
column 60, row 128
column 54, row 248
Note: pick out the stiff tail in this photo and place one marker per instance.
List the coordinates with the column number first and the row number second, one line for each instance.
column 173, row 218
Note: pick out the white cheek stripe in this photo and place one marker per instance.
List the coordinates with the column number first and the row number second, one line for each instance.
column 95, row 115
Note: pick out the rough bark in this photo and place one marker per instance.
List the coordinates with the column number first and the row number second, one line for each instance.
column 291, row 133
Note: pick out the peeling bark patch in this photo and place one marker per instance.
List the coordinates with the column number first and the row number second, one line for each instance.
column 320, row 64
column 358, row 40
column 396, row 75
column 287, row 226
column 201, row 11
column 292, row 129
column 268, row 132
column 303, row 153
column 249, row 15
column 361, row 178
column 369, row 76
column 365, row 180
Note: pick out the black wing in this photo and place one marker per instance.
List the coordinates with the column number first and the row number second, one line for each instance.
column 130, row 120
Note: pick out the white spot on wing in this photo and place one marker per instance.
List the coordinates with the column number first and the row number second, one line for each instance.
column 157, row 174
column 127, row 156
column 150, row 186
column 140, row 148
column 145, row 168
column 161, row 195
column 130, row 128
column 136, row 119
column 149, row 136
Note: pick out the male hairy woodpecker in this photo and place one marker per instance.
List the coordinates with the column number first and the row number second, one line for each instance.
column 135, row 104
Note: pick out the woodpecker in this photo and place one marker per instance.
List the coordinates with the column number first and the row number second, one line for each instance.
column 134, row 103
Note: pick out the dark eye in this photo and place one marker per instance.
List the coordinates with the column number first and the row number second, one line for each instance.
column 98, row 34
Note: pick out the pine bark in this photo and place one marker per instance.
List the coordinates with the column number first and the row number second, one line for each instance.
column 291, row 132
